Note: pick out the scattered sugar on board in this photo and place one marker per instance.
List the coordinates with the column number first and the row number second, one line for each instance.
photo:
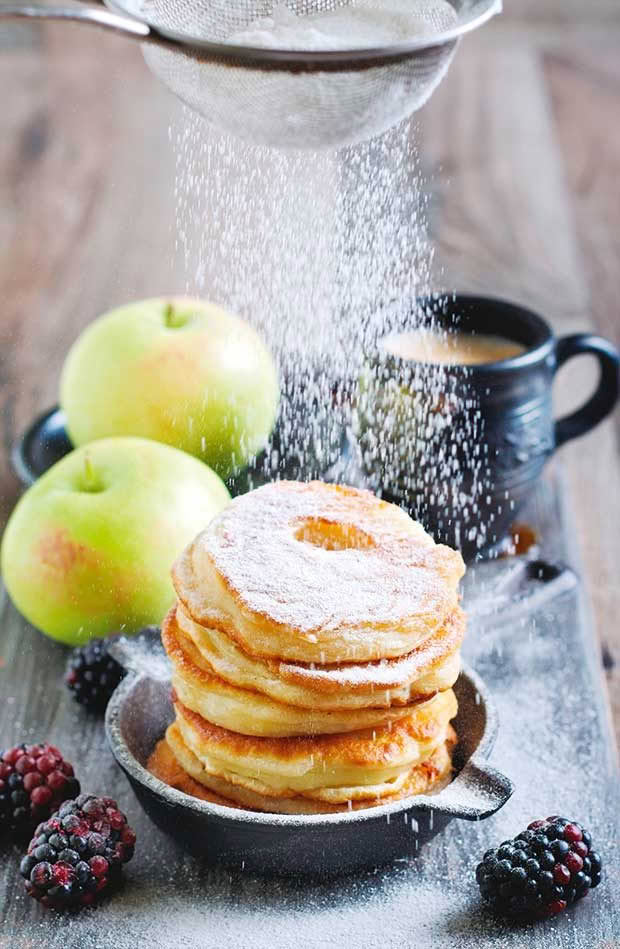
column 172, row 900
column 318, row 307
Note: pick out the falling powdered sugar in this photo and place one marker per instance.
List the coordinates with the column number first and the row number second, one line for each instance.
column 326, row 254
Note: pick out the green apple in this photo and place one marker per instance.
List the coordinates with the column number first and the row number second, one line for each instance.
column 179, row 371
column 88, row 548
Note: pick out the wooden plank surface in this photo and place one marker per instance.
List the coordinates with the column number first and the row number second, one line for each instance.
column 522, row 148
column 529, row 208
column 549, row 738
column 522, row 144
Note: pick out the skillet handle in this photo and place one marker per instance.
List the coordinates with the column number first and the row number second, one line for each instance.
column 477, row 792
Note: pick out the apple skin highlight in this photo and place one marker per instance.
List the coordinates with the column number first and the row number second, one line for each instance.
column 180, row 371
column 88, row 548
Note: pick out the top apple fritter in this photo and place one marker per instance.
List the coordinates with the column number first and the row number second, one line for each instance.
column 314, row 572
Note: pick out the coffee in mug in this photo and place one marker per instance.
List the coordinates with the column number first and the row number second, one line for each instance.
column 450, row 348
column 455, row 423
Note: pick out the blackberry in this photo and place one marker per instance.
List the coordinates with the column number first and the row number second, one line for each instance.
column 540, row 872
column 93, row 674
column 34, row 780
column 77, row 855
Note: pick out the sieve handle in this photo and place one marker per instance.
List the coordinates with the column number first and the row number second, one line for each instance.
column 96, row 16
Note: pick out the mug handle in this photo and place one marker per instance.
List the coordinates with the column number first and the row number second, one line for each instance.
column 602, row 402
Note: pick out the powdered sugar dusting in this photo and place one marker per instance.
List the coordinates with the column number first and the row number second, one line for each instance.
column 365, row 23
column 385, row 674
column 553, row 731
column 399, row 578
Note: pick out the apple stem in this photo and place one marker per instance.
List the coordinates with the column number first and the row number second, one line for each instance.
column 174, row 319
column 169, row 315
column 91, row 482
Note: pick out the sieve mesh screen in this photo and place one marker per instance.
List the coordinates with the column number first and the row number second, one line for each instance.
column 278, row 100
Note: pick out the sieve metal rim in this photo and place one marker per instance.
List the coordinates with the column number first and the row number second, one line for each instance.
column 307, row 60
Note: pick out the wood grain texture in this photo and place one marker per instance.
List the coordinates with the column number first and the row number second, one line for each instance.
column 87, row 198
column 523, row 150
column 429, row 901
column 561, row 11
column 584, row 87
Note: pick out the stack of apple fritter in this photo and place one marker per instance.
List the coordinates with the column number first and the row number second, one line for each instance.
column 315, row 642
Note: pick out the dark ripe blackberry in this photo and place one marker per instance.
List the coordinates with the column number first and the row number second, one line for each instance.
column 58, row 841
column 542, row 871
column 559, row 849
column 545, row 881
column 517, row 904
column 581, row 881
column 571, row 895
column 44, row 852
column 519, row 857
column 486, row 884
column 595, row 861
column 540, row 842
column 505, row 852
column 26, row 865
column 41, row 875
column 61, row 876
column 532, row 867
column 547, row 860
column 69, row 856
column 34, row 780
column 503, row 869
column 518, row 878
column 93, row 674
column 527, row 835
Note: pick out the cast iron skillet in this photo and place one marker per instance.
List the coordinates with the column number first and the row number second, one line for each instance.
column 139, row 713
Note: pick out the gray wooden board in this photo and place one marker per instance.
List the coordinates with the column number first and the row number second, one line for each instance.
column 554, row 742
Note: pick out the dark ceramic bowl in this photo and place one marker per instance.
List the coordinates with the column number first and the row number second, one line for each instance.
column 139, row 713
column 43, row 443
column 46, row 441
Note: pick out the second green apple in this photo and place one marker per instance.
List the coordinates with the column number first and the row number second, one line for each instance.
column 180, row 371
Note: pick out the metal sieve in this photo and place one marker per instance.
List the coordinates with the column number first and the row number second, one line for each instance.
column 300, row 98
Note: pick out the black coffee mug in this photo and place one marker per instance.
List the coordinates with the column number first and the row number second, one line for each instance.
column 492, row 423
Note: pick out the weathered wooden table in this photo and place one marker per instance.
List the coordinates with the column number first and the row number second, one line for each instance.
column 554, row 742
column 522, row 144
